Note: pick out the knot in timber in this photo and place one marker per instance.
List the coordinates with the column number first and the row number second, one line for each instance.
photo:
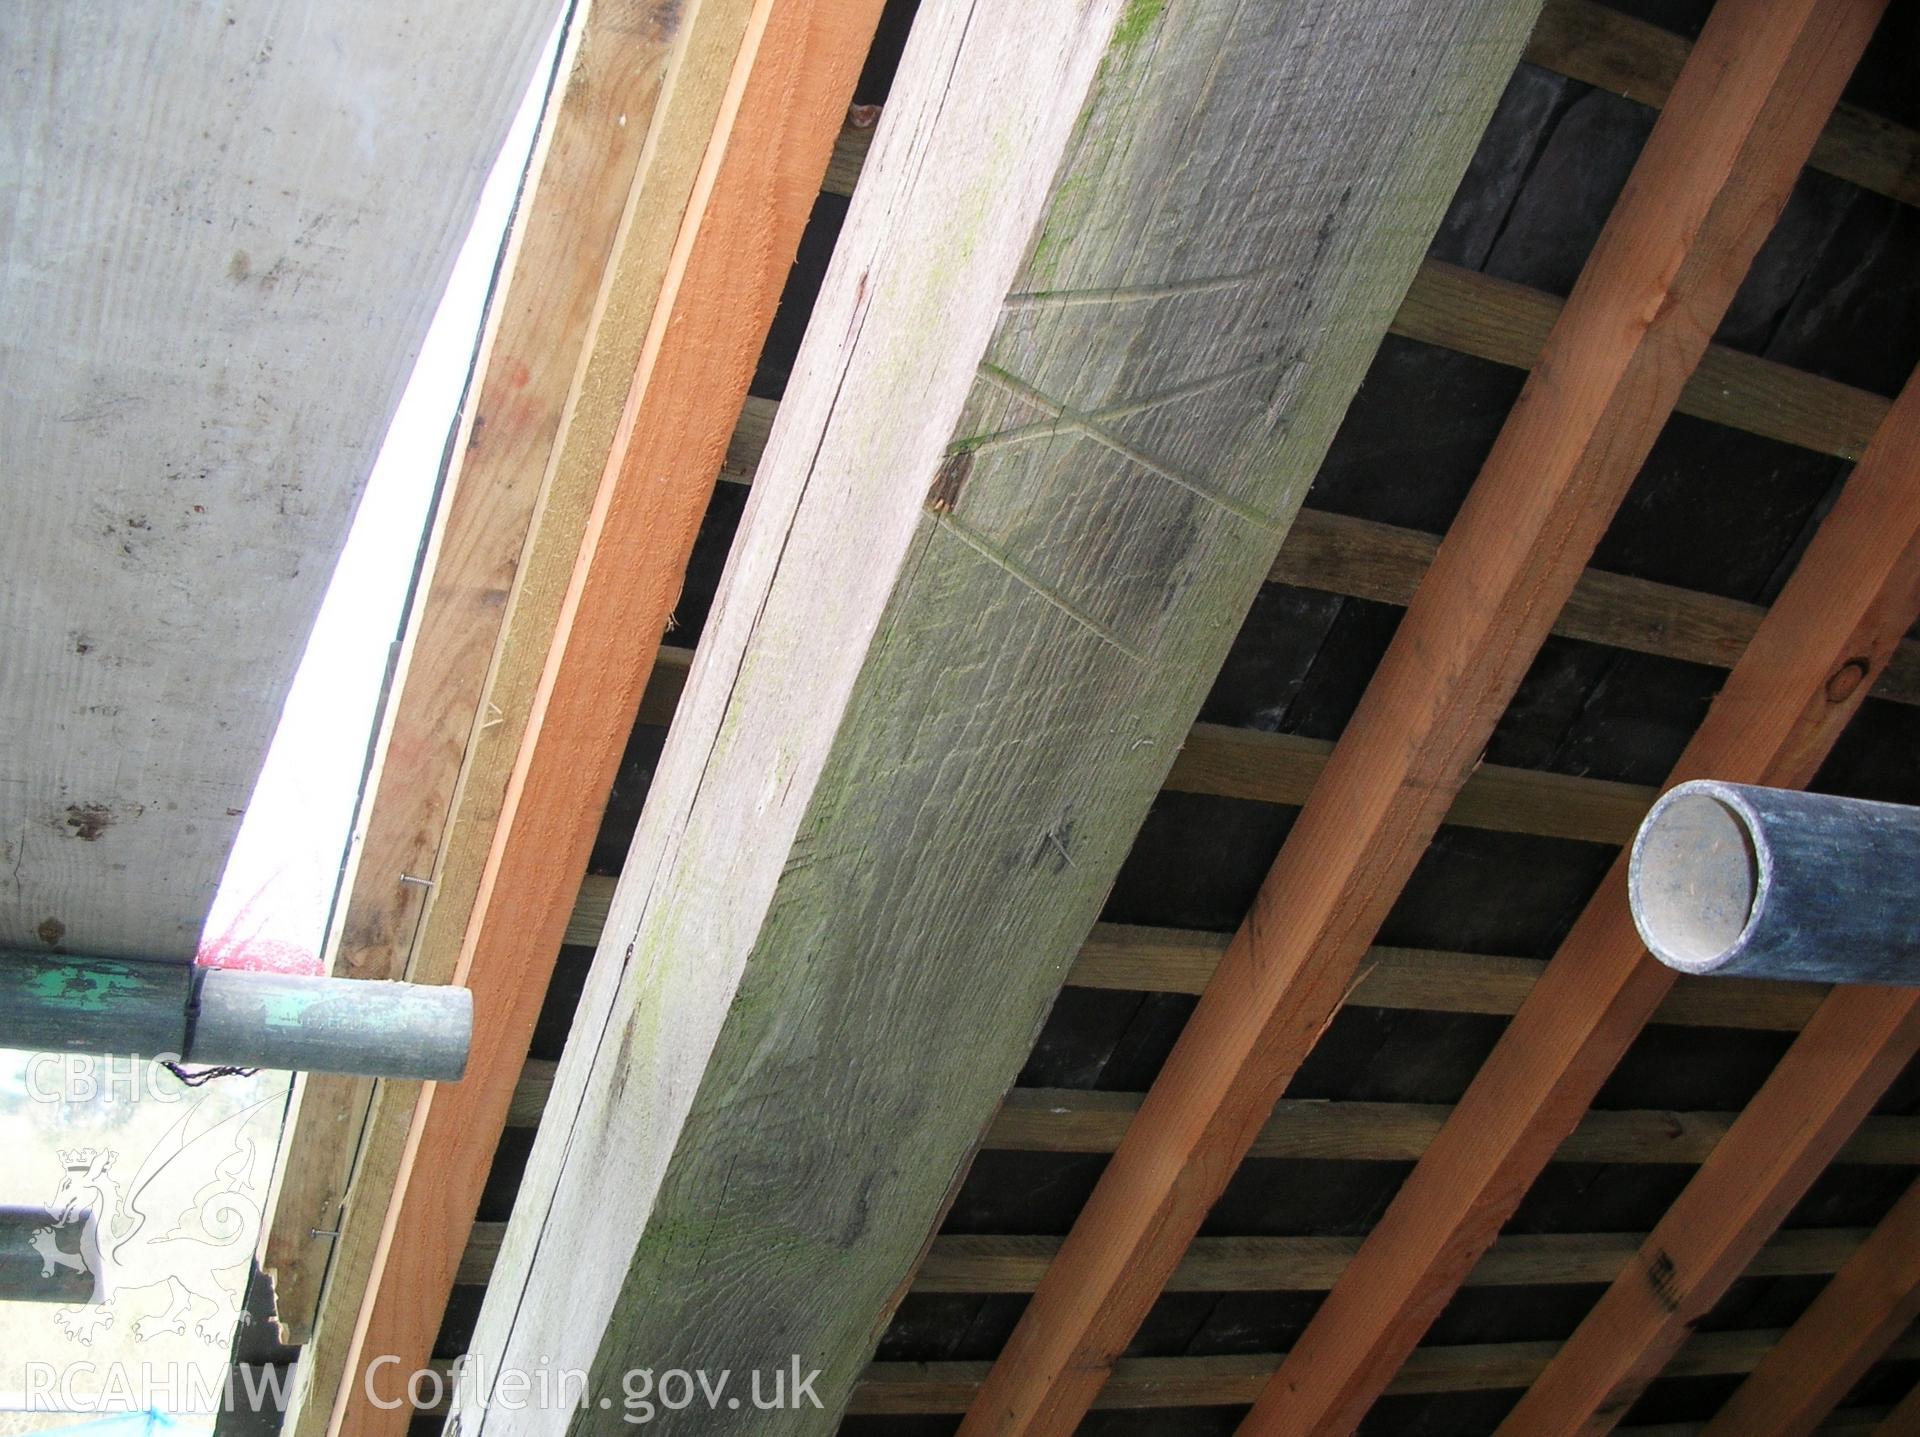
column 948, row 480
column 1846, row 679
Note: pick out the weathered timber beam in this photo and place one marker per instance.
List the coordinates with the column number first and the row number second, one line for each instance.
column 232, row 1016
column 906, row 1388
column 1072, row 1120
column 1824, row 1087
column 1507, row 323
column 1363, row 559
column 1049, row 426
column 1850, row 600
column 726, row 177
column 1603, row 47
column 1172, row 960
column 966, row 1264
column 1282, row 768
column 1872, row 1300
column 1776, row 883
column 1382, row 562
column 1703, row 195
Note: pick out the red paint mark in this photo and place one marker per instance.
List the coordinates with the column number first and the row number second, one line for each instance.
column 243, row 946
column 518, row 374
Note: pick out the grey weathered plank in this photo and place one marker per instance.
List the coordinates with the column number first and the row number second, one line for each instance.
column 222, row 234
column 1110, row 278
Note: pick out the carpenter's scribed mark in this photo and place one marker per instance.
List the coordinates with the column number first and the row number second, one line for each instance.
column 948, row 480
column 89, row 820
column 51, row 931
column 1660, row 1277
column 1017, row 572
column 1084, row 424
column 1062, row 420
column 1057, row 837
column 1020, row 434
column 1137, row 293
column 1254, row 368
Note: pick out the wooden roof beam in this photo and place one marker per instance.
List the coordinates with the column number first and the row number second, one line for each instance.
column 1836, row 1070
column 1142, row 1383
column 1703, row 196
column 756, row 92
column 1873, row 1299
column 1111, row 277
column 578, row 180
column 1853, row 595
column 1278, row 768
column 965, row 1264
column 1904, row 1420
column 1364, row 559
column 1602, row 46
column 1175, row 960
column 1071, row 1120
column 1507, row 323
column 1385, row 563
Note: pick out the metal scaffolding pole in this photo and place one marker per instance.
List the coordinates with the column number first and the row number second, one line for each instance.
column 230, row 1016
column 1777, row 883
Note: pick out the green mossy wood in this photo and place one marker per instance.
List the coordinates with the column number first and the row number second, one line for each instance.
column 1111, row 277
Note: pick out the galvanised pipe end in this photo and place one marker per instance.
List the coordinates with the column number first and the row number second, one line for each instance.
column 1697, row 877
column 1732, row 879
